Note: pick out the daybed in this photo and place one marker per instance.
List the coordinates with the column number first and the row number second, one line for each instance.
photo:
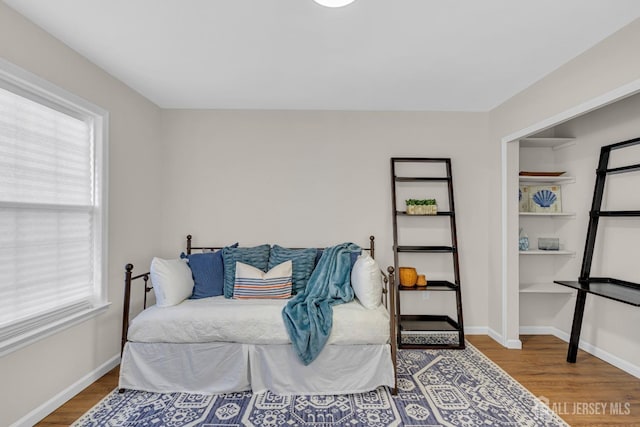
column 223, row 345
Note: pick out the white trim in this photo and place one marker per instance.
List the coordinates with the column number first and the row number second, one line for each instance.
column 58, row 98
column 476, row 330
column 59, row 399
column 500, row 339
column 505, row 244
column 612, row 96
column 579, row 110
column 26, row 79
column 34, row 335
column 594, row 350
column 497, row 337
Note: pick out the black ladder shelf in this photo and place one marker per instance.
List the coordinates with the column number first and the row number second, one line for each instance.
column 607, row 287
column 425, row 322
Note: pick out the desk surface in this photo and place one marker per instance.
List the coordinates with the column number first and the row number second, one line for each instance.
column 615, row 289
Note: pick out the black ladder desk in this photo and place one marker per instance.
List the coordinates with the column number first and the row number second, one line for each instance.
column 608, row 287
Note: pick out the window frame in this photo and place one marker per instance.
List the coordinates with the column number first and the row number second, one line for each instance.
column 30, row 86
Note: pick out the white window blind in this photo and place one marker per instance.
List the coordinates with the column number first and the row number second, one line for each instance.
column 50, row 214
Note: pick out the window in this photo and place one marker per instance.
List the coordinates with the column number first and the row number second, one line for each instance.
column 52, row 208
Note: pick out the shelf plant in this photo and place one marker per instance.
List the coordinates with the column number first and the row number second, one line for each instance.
column 421, row 206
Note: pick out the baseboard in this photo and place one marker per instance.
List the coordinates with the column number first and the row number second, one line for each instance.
column 588, row 347
column 497, row 337
column 58, row 400
column 476, row 330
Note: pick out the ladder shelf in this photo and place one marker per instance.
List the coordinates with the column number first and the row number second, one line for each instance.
column 426, row 324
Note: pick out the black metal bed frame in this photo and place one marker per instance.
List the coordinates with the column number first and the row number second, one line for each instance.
column 129, row 278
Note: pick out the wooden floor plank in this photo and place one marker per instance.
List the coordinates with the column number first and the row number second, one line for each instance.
column 588, row 393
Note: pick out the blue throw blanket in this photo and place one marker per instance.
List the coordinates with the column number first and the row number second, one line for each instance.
column 308, row 317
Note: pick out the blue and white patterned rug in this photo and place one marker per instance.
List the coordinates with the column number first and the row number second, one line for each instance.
column 436, row 388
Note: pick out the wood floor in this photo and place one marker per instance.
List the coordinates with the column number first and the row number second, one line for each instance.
column 588, row 393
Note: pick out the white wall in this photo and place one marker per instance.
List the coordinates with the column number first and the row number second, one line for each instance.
column 37, row 373
column 317, row 179
column 605, row 67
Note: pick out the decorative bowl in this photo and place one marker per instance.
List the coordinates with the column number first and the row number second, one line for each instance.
column 408, row 276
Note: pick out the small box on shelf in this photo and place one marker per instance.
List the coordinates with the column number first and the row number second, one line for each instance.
column 548, row 243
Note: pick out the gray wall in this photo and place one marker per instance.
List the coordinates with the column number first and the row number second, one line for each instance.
column 37, row 373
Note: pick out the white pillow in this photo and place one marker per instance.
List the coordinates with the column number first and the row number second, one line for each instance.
column 172, row 281
column 366, row 281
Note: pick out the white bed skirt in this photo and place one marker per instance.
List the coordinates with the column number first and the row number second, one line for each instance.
column 230, row 367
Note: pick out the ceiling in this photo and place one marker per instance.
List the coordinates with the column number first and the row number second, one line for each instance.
column 395, row 55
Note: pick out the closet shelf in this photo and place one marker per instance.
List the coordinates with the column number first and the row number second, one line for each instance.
column 554, row 143
column 549, row 179
column 539, row 252
column 547, row 214
column 543, row 288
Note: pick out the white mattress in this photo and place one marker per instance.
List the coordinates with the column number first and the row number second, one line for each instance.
column 218, row 319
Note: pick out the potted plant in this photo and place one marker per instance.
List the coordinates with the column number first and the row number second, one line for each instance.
column 432, row 207
column 412, row 205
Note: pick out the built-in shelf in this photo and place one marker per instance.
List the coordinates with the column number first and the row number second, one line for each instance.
column 539, row 252
column 553, row 179
column 543, row 288
column 554, row 143
column 553, row 214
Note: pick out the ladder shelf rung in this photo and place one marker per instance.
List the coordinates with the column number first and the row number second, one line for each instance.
column 432, row 285
column 440, row 213
column 622, row 169
column 422, row 178
column 426, row 249
column 421, row 159
column 615, row 213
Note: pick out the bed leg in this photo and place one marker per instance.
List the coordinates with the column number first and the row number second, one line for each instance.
column 393, row 333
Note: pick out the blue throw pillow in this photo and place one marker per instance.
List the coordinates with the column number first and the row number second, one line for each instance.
column 207, row 270
column 303, row 264
column 257, row 256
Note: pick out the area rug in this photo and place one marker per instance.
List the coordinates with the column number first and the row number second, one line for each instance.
column 435, row 388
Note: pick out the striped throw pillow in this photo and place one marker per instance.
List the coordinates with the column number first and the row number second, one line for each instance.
column 252, row 282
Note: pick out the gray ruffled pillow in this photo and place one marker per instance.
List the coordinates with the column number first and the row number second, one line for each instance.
column 303, row 264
